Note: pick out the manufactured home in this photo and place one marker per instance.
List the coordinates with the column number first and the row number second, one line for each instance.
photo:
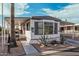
column 66, row 27
column 69, row 29
column 33, row 28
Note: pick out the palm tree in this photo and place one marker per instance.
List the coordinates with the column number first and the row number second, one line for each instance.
column 13, row 26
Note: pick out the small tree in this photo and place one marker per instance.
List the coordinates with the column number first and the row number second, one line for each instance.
column 62, row 39
column 44, row 40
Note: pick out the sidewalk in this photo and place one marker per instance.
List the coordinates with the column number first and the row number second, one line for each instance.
column 29, row 49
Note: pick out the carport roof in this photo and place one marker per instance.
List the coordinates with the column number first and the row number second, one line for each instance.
column 17, row 20
column 23, row 19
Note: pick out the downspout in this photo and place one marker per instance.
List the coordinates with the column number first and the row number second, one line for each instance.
column 43, row 28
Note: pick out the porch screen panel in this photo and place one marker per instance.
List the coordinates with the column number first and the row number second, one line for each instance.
column 38, row 28
column 28, row 26
column 55, row 28
column 48, row 28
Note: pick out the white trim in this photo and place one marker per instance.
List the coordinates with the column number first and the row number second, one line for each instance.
column 43, row 27
column 33, row 36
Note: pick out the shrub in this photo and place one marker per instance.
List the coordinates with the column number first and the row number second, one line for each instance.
column 44, row 40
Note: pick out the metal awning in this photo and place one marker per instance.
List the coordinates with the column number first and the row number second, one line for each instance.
column 18, row 20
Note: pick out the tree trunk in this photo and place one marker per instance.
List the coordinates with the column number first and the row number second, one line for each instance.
column 13, row 25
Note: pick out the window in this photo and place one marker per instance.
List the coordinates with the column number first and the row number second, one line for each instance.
column 62, row 29
column 76, row 28
column 48, row 28
column 68, row 28
column 28, row 26
column 38, row 28
column 55, row 28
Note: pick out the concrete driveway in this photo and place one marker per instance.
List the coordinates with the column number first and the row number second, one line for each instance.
column 70, row 52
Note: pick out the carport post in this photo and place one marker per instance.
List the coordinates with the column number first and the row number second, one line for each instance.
column 2, row 30
column 73, row 31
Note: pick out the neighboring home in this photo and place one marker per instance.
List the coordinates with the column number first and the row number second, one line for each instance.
column 69, row 29
column 35, row 27
column 66, row 26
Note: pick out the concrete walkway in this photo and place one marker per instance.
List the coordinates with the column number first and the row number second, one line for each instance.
column 29, row 49
column 53, row 51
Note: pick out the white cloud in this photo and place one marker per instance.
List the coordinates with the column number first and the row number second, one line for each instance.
column 19, row 9
column 26, row 12
column 70, row 12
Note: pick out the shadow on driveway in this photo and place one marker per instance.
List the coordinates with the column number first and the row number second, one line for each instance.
column 72, row 50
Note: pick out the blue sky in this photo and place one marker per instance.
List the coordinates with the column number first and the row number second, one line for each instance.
column 60, row 10
column 36, row 9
